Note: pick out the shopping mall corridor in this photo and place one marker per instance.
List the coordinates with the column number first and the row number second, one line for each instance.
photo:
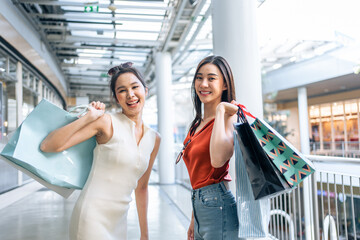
column 45, row 215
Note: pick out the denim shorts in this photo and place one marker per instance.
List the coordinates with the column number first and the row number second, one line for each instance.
column 215, row 214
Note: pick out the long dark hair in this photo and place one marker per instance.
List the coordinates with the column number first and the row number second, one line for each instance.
column 116, row 71
column 227, row 96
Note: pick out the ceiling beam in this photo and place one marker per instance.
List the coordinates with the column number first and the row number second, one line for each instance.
column 83, row 4
column 104, row 92
column 94, row 17
column 90, row 86
column 118, row 12
column 74, row 39
column 96, row 59
column 193, row 37
column 68, row 28
column 91, row 83
column 64, row 21
column 106, row 47
column 173, row 25
column 116, row 53
column 92, row 67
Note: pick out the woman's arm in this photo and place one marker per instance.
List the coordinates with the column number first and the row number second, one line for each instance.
column 141, row 193
column 221, row 141
column 190, row 232
column 93, row 123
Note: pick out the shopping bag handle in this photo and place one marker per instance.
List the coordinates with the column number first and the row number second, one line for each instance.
column 242, row 111
column 78, row 111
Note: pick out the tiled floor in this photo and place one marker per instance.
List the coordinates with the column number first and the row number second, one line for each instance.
column 44, row 215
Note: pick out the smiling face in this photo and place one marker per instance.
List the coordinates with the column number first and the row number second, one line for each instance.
column 209, row 84
column 130, row 93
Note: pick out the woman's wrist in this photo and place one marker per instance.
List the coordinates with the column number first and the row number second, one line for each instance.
column 89, row 117
column 144, row 236
column 93, row 115
column 220, row 109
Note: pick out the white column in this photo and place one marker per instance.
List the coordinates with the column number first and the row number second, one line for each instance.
column 47, row 94
column 19, row 104
column 303, row 120
column 39, row 91
column 163, row 73
column 7, row 65
column 305, row 149
column 19, row 94
column 235, row 39
column 321, row 131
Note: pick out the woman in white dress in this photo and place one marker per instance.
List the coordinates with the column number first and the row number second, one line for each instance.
column 123, row 158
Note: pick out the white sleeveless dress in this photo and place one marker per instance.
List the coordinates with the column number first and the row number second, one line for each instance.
column 100, row 213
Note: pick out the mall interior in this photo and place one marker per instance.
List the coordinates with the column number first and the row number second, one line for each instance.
column 296, row 64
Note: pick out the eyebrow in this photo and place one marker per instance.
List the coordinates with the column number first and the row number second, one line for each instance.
column 210, row 74
column 121, row 86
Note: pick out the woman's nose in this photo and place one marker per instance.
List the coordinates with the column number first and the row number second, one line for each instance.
column 130, row 94
column 204, row 83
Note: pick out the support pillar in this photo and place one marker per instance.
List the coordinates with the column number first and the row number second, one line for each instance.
column 235, row 39
column 39, row 91
column 305, row 149
column 163, row 73
column 19, row 104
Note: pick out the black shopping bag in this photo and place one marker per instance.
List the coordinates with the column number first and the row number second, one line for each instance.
column 265, row 179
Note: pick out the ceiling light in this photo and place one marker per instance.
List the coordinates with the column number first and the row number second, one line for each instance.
column 277, row 66
column 271, row 59
column 292, row 59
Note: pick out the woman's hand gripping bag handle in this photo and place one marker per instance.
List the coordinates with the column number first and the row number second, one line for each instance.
column 68, row 169
column 292, row 164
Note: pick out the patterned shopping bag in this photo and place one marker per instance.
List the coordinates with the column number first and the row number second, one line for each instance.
column 294, row 166
column 265, row 178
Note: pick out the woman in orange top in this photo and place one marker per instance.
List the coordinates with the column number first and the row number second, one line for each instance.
column 208, row 148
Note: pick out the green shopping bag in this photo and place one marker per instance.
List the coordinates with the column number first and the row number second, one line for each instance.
column 69, row 168
column 293, row 165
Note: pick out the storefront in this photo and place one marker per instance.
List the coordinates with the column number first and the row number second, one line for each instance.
column 335, row 127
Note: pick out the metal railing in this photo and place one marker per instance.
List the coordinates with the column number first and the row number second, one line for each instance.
column 334, row 206
column 336, row 148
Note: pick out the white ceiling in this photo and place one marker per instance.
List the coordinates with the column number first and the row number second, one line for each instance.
column 86, row 44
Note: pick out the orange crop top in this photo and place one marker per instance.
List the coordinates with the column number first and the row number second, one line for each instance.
column 197, row 159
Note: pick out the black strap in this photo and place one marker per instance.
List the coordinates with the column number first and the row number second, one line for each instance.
column 241, row 116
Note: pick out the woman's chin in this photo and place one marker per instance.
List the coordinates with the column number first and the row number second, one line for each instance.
column 133, row 110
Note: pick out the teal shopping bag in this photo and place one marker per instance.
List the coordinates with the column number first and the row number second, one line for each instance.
column 293, row 165
column 69, row 168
